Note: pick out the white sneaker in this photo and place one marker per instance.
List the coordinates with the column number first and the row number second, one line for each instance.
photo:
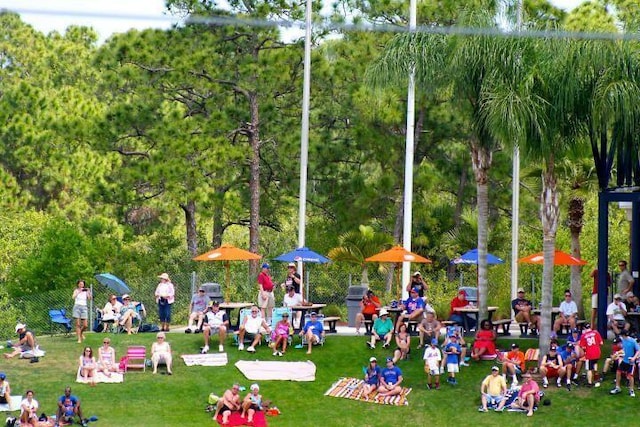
column 221, row 348
column 275, row 353
column 205, row 349
column 441, row 370
column 251, row 349
column 515, row 382
column 240, row 346
column 280, row 354
column 545, row 383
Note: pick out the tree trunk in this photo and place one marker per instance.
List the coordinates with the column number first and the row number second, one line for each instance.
column 549, row 214
column 481, row 160
column 254, row 182
column 576, row 216
column 192, row 231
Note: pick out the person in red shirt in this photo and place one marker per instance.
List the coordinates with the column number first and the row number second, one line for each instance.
column 459, row 301
column 514, row 363
column 369, row 309
column 591, row 341
column 266, row 301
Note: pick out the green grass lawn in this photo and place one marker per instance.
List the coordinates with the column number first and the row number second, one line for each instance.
column 180, row 400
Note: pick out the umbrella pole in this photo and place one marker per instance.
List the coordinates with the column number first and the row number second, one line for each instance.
column 227, row 268
column 398, row 287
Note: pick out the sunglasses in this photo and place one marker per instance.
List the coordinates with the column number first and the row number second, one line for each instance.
column 567, row 295
column 105, row 342
column 160, row 338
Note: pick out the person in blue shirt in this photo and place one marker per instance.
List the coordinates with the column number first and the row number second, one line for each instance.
column 631, row 350
column 68, row 408
column 413, row 308
column 372, row 374
column 313, row 330
column 390, row 379
column 452, row 351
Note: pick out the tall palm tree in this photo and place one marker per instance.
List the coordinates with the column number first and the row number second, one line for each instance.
column 356, row 246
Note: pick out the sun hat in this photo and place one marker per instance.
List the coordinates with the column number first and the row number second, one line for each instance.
column 164, row 276
column 495, row 368
column 20, row 326
column 520, row 290
column 285, row 314
column 373, row 359
column 125, row 296
column 254, row 386
column 292, row 264
column 417, row 273
column 384, row 312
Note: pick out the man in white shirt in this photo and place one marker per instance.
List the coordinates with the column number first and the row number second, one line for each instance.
column 616, row 312
column 215, row 321
column 252, row 326
column 292, row 299
column 568, row 313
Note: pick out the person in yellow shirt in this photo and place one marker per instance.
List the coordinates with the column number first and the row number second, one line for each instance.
column 493, row 390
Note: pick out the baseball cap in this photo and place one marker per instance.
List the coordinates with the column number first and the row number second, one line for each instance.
column 3, row 376
column 514, row 345
column 254, row 386
column 285, row 314
column 214, row 303
column 265, row 265
column 201, row 290
column 453, row 337
column 616, row 340
column 587, row 325
column 617, row 296
column 569, row 345
column 292, row 264
column 417, row 273
column 414, row 290
column 313, row 313
column 434, row 341
column 553, row 347
column 389, row 359
column 495, row 368
column 520, row 290
column 125, row 296
column 462, row 292
column 373, row 359
column 575, row 331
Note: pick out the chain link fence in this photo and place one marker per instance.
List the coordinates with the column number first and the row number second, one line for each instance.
column 327, row 284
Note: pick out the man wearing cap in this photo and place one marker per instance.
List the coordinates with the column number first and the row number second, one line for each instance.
column 552, row 366
column 417, row 282
column 197, row 308
column 5, row 390
column 253, row 326
column 522, row 310
column 571, row 355
column 413, row 309
column 165, row 296
column 616, row 314
column 292, row 279
column 26, row 345
column 266, row 301
column 382, row 330
column 514, row 363
column 215, row 321
column 292, row 299
column 390, row 379
column 313, row 331
column 613, row 361
column 493, row 390
column 591, row 342
column 568, row 314
column 432, row 358
column 528, row 396
column 428, row 328
column 460, row 301
column 625, row 279
column 369, row 307
column 631, row 353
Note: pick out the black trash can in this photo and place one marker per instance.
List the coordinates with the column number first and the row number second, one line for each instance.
column 354, row 297
column 212, row 290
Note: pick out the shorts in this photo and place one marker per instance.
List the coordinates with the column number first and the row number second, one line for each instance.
column 453, row 368
column 594, row 301
column 3, row 399
column 213, row 329
column 552, row 372
column 494, row 400
column 520, row 317
column 619, row 323
column 266, row 302
column 590, row 365
column 627, row 369
column 80, row 312
column 367, row 316
column 432, row 371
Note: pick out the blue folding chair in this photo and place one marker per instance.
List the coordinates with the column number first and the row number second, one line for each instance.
column 58, row 316
column 276, row 316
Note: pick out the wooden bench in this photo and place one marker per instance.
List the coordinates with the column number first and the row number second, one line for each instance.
column 331, row 322
column 368, row 326
column 524, row 329
column 565, row 327
column 505, row 324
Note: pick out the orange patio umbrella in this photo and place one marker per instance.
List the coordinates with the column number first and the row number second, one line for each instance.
column 559, row 258
column 227, row 253
column 397, row 255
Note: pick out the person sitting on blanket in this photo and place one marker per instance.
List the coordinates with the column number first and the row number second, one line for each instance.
column 513, row 363
column 252, row 326
column 215, row 321
column 5, row 390
column 68, row 408
column 128, row 313
column 485, row 342
column 107, row 362
column 382, row 330
column 313, row 330
column 230, row 402
column 26, row 344
column 280, row 336
column 111, row 312
column 432, row 358
column 493, row 390
column 252, row 402
column 88, row 366
column 528, row 396
column 29, row 410
column 403, row 342
column 161, row 351
column 390, row 380
column 372, row 375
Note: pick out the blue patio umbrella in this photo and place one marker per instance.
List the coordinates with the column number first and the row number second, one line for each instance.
column 303, row 254
column 471, row 257
column 114, row 283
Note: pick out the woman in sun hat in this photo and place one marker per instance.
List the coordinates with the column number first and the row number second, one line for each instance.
column 165, row 296
column 252, row 402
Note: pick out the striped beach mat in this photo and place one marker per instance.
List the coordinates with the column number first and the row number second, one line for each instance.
column 352, row 388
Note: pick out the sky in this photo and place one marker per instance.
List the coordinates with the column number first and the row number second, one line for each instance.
column 113, row 16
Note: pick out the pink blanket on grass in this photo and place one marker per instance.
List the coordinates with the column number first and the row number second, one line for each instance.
column 235, row 419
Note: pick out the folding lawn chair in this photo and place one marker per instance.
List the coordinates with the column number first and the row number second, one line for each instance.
column 58, row 316
column 276, row 316
column 136, row 358
column 320, row 318
column 236, row 335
